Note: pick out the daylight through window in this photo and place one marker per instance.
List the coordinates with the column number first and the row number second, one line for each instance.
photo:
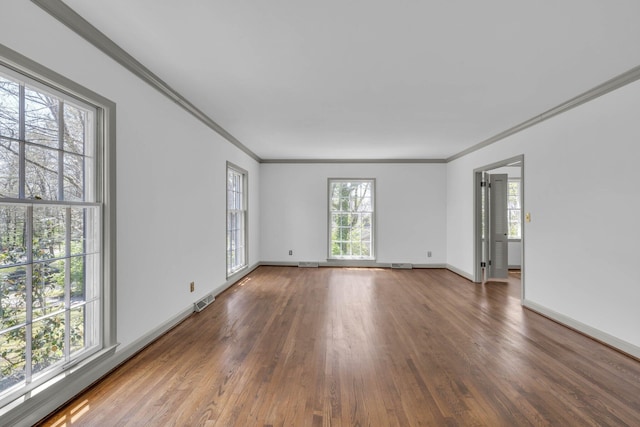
column 50, row 231
column 236, row 219
column 351, row 219
column 514, row 209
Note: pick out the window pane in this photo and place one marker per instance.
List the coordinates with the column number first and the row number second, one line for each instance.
column 48, row 284
column 9, row 168
column 76, row 279
column 84, row 236
column 41, row 118
column 77, row 333
column 47, row 342
column 75, row 127
column 13, row 249
column 13, row 362
column 92, row 279
column 13, row 297
column 351, row 205
column 50, row 256
column 78, row 240
column 92, row 324
column 73, row 177
column 48, row 232
column 236, row 257
column 513, row 202
column 91, row 230
column 41, row 173
column 9, row 108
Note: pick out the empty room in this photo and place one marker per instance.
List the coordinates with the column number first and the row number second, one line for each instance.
column 243, row 213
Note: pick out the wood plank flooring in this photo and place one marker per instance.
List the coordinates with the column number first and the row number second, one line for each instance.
column 365, row 347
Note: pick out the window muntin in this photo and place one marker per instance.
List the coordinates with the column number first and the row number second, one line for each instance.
column 514, row 209
column 236, row 219
column 351, row 219
column 50, row 233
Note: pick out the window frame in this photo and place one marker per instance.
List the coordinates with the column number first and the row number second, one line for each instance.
column 352, row 259
column 26, row 399
column 509, row 210
column 233, row 270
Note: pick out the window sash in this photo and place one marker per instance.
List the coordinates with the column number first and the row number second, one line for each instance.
column 351, row 219
column 236, row 220
column 514, row 209
column 61, row 306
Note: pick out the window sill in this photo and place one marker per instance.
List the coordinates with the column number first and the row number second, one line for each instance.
column 35, row 404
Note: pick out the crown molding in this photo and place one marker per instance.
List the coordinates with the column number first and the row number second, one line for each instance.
column 334, row 161
column 70, row 18
column 82, row 27
column 610, row 85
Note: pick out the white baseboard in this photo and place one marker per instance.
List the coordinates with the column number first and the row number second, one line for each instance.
column 37, row 407
column 596, row 334
column 71, row 384
column 348, row 263
column 460, row 272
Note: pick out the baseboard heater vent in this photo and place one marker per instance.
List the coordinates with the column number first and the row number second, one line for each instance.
column 308, row 264
column 402, row 265
column 200, row 305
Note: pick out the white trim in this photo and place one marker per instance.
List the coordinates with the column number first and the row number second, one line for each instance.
column 351, row 264
column 27, row 412
column 460, row 272
column 371, row 259
column 587, row 330
column 105, row 116
column 234, row 278
column 83, row 376
column 88, row 372
column 244, row 175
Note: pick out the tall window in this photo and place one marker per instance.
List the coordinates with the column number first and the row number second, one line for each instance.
column 351, row 218
column 236, row 219
column 514, row 209
column 50, row 233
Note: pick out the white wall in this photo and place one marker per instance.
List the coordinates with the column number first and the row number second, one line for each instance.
column 581, row 188
column 514, row 255
column 171, row 177
column 410, row 210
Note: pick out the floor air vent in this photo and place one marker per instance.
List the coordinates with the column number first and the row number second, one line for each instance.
column 200, row 305
column 307, row 264
column 404, row 266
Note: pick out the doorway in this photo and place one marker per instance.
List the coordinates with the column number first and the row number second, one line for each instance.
column 498, row 224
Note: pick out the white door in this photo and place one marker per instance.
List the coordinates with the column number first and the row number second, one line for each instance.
column 498, row 227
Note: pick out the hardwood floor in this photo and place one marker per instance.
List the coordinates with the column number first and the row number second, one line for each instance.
column 365, row 347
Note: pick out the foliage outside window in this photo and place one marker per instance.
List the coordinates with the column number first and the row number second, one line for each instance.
column 514, row 209
column 236, row 219
column 50, row 230
column 351, row 216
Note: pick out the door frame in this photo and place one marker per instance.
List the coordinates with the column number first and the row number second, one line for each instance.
column 477, row 213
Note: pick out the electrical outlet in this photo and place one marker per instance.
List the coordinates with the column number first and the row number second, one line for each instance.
column 192, row 286
column 429, row 254
column 290, row 251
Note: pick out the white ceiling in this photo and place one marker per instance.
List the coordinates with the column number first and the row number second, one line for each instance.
column 373, row 79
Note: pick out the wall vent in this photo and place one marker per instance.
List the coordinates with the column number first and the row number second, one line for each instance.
column 201, row 304
column 308, row 264
column 402, row 265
